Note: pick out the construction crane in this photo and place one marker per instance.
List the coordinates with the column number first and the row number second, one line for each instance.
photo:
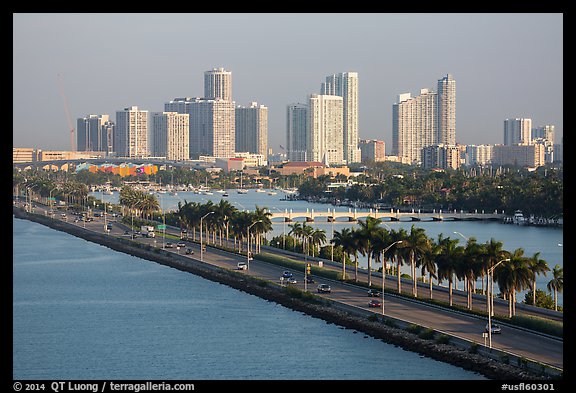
column 68, row 118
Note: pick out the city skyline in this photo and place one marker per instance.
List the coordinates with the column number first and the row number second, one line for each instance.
column 506, row 65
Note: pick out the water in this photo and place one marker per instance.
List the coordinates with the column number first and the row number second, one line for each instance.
column 84, row 311
column 546, row 240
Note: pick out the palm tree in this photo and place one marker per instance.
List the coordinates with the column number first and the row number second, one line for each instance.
column 367, row 229
column 448, row 259
column 261, row 215
column 356, row 245
column 317, row 238
column 493, row 253
column 513, row 275
column 471, row 266
column 395, row 236
column 296, row 232
column 344, row 239
column 415, row 245
column 428, row 262
column 536, row 266
column 556, row 284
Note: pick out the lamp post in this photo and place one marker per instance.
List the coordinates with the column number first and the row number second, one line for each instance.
column 50, row 198
column 490, row 294
column 384, row 270
column 201, row 250
column 248, row 243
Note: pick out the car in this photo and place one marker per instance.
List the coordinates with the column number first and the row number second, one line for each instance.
column 310, row 280
column 374, row 292
column 291, row 280
column 374, row 303
column 241, row 266
column 181, row 244
column 287, row 274
column 495, row 328
column 169, row 245
column 324, row 288
column 189, row 251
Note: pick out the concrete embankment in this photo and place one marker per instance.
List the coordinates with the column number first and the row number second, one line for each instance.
column 310, row 304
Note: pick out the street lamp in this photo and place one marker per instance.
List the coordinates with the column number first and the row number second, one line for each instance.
column 490, row 300
column 50, row 198
column 384, row 270
column 248, row 243
column 201, row 218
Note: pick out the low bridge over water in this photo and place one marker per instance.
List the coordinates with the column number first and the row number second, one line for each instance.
column 353, row 215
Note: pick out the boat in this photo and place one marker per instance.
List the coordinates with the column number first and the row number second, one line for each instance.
column 272, row 193
column 518, row 218
column 242, row 191
column 225, row 194
column 260, row 190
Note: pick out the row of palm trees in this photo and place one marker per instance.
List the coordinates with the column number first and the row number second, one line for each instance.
column 443, row 259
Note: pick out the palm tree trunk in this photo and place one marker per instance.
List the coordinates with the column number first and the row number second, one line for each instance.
column 555, row 300
column 343, row 267
column 369, row 272
column 450, row 291
column 355, row 267
column 430, row 280
column 534, row 292
column 399, row 284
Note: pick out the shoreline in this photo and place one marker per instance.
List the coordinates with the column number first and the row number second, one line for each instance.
column 322, row 309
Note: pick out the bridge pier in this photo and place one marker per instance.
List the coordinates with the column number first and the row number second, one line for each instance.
column 331, row 219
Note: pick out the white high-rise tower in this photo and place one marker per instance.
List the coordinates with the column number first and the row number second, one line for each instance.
column 345, row 85
column 218, row 84
column 446, row 110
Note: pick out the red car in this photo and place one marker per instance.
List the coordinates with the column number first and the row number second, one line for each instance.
column 374, row 303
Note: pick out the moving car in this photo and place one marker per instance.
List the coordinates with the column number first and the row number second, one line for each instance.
column 287, row 274
column 495, row 329
column 310, row 280
column 374, row 303
column 242, row 266
column 189, row 251
column 291, row 280
column 324, row 288
column 181, row 244
column 169, row 245
column 374, row 292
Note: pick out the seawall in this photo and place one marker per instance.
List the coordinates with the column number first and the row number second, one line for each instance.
column 312, row 305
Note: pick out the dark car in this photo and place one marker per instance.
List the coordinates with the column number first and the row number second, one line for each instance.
column 189, row 251
column 287, row 274
column 310, row 280
column 169, row 245
column 374, row 303
column 324, row 288
column 374, row 293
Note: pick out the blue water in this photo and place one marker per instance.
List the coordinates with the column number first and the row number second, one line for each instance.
column 83, row 311
column 547, row 241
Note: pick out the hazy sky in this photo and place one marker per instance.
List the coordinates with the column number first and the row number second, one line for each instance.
column 506, row 65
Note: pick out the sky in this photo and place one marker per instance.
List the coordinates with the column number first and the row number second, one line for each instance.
column 506, row 65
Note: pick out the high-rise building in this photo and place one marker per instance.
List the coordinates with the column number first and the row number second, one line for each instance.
column 414, row 125
column 131, row 132
column 479, row 154
column 326, row 129
column 252, row 129
column 544, row 132
column 446, row 110
column 296, row 132
column 345, row 85
column 90, row 134
column 517, row 132
column 212, row 128
column 372, row 150
column 170, row 135
column 218, row 84
column 440, row 156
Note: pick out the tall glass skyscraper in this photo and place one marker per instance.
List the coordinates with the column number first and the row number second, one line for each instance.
column 446, row 110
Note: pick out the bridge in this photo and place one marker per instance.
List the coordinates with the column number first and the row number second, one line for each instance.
column 385, row 215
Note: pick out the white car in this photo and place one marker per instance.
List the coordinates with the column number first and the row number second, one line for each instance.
column 242, row 266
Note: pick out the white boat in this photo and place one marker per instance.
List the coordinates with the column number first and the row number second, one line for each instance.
column 272, row 193
column 260, row 190
column 242, row 191
column 518, row 218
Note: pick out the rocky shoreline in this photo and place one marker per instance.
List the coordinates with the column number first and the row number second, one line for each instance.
column 311, row 305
